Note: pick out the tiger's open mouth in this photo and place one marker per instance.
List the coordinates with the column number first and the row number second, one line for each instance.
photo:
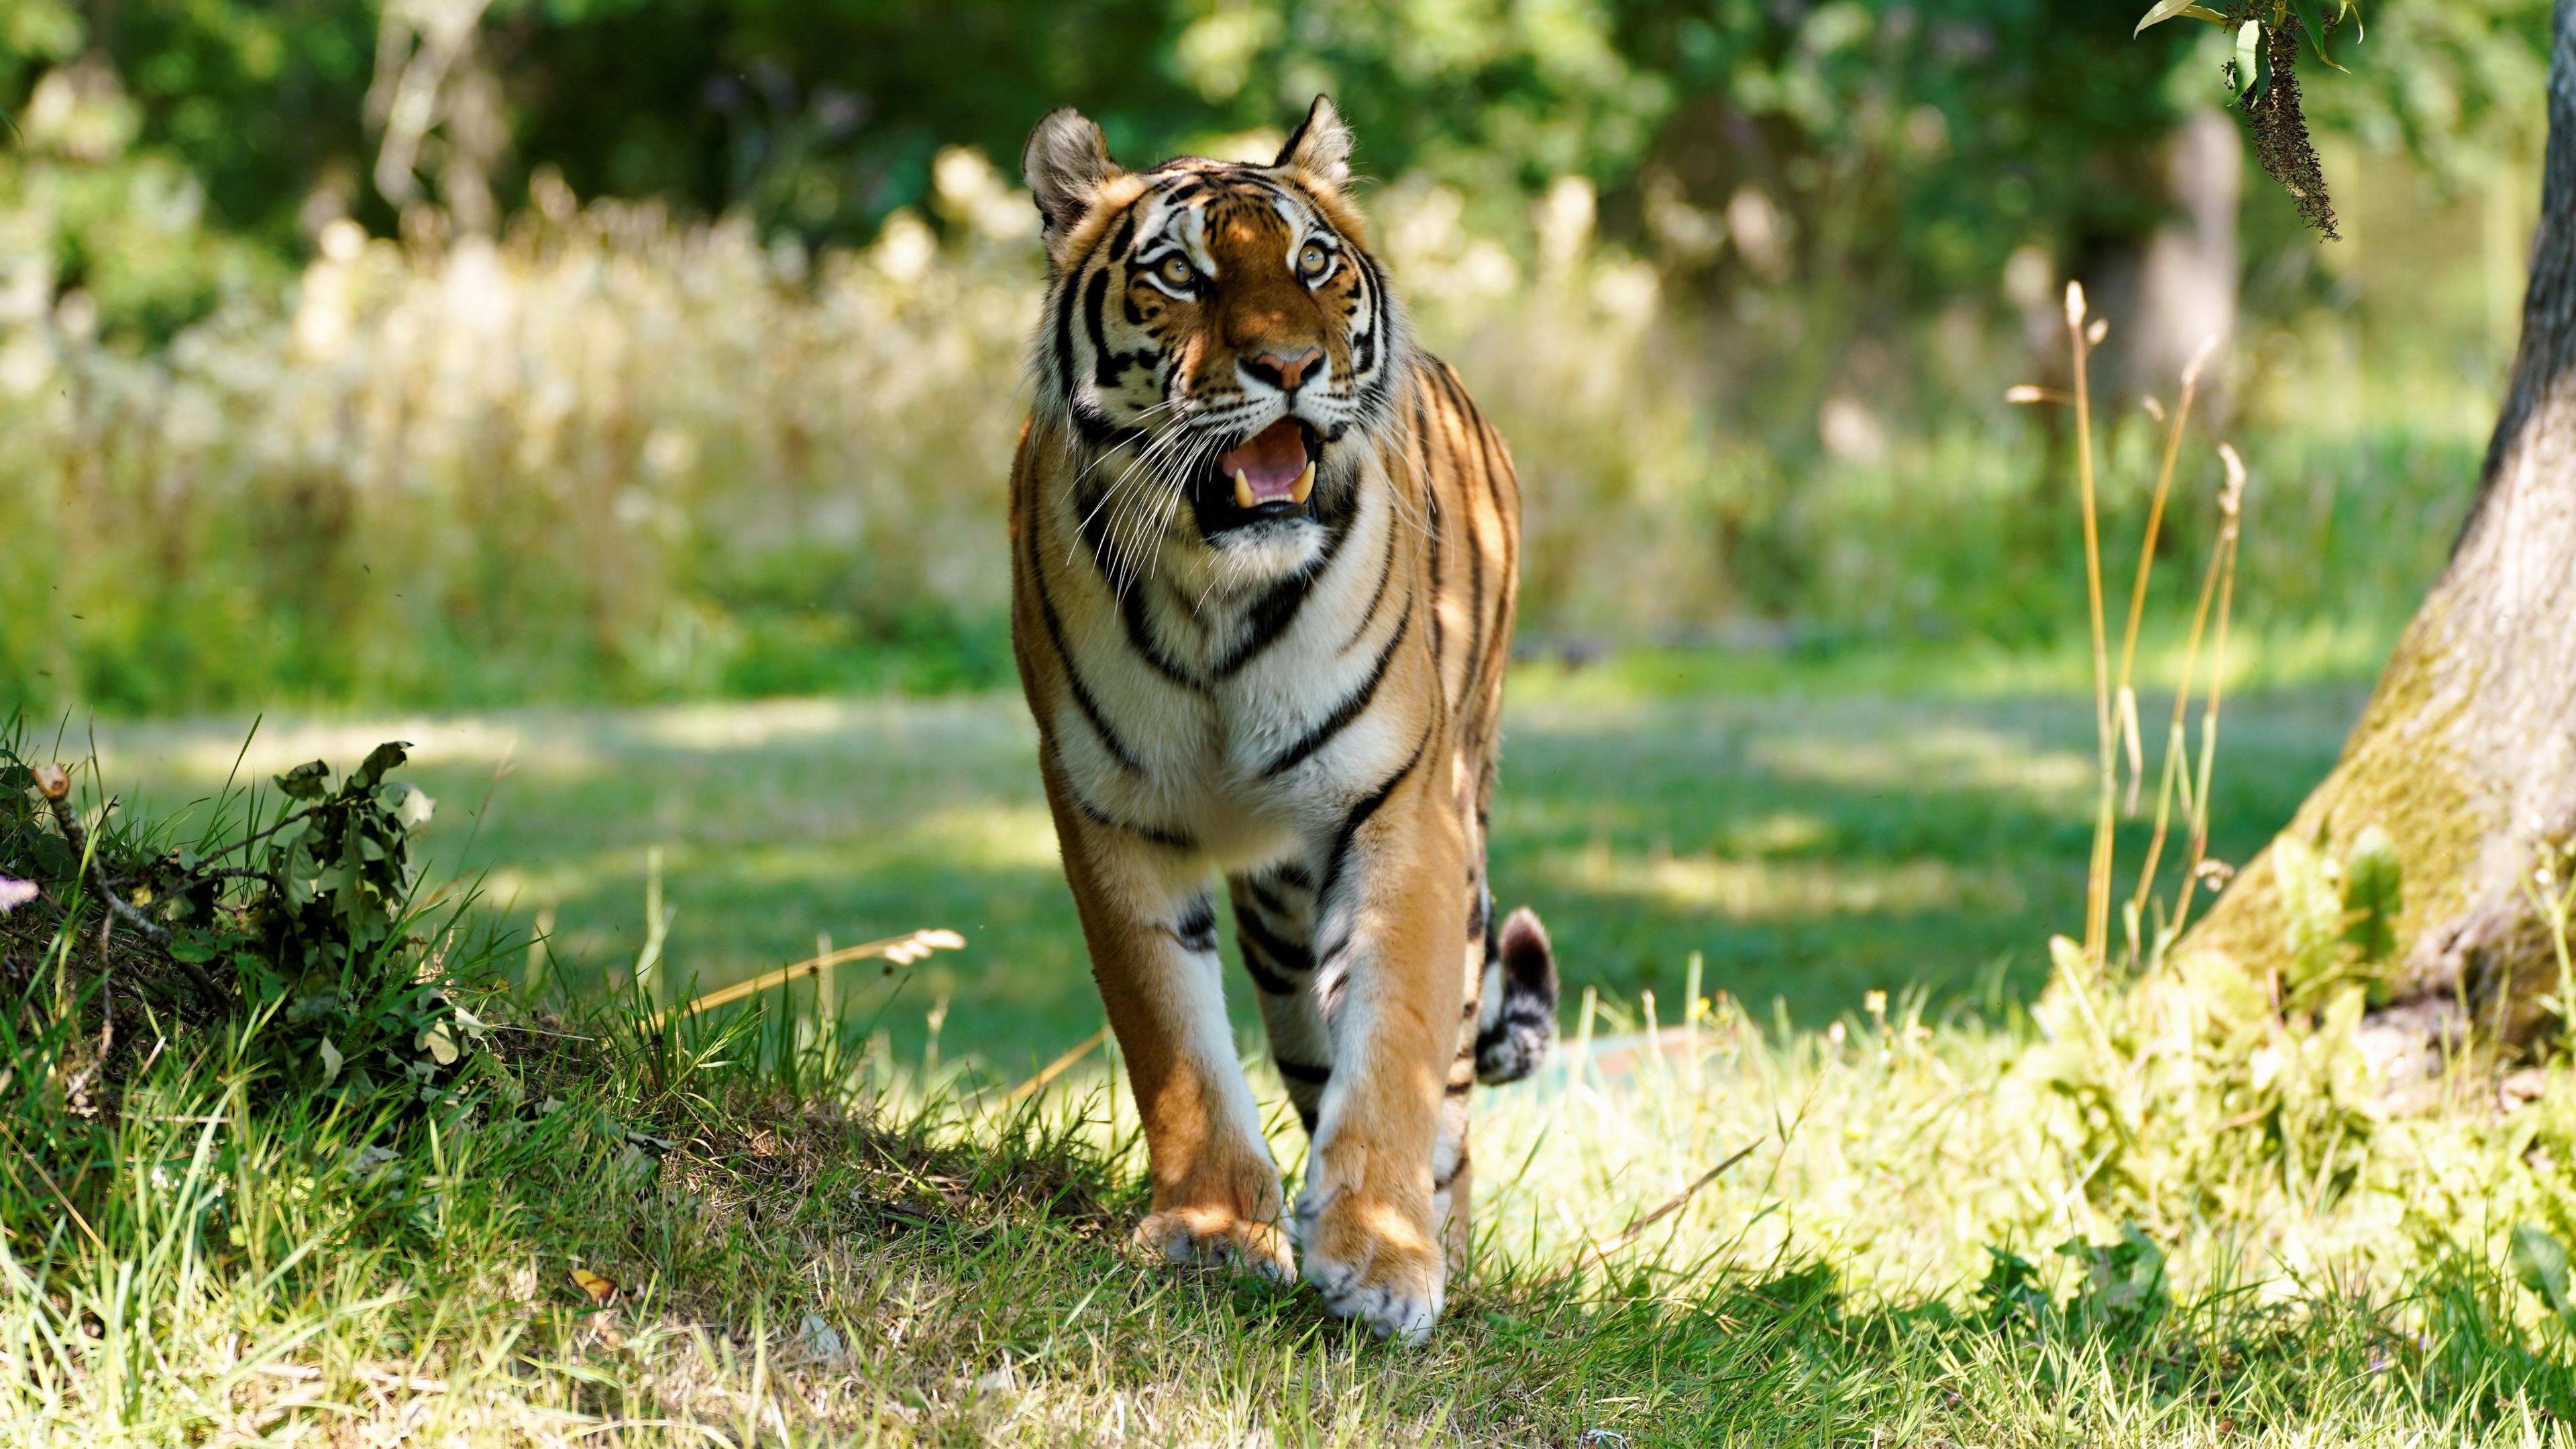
column 1266, row 478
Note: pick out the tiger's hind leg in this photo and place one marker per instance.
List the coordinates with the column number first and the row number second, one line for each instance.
column 1504, row 1028
column 1274, row 925
column 1453, row 1176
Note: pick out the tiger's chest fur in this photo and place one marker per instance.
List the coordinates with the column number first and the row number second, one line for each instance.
column 1234, row 716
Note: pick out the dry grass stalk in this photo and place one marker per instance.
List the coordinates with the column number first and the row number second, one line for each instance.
column 2097, row 896
column 1056, row 1068
column 2184, row 779
column 902, row 950
column 2180, row 782
column 2128, row 697
column 2231, row 509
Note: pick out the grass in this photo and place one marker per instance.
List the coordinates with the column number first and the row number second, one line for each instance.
column 787, row 1257
column 1810, row 836
column 1928, row 1215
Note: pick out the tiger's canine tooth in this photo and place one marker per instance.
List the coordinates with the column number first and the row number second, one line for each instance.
column 1305, row 484
column 1242, row 489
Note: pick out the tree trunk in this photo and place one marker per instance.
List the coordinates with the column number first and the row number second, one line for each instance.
column 2466, row 755
column 2188, row 274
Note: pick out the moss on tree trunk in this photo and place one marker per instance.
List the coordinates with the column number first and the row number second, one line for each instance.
column 2466, row 755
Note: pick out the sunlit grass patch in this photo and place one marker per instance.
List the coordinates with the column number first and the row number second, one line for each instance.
column 1763, row 890
column 1965, row 757
column 2295, row 653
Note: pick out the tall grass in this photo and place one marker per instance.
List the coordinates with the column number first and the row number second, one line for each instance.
column 619, row 454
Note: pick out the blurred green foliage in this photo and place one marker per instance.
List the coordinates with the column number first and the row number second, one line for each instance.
column 1743, row 281
column 1911, row 147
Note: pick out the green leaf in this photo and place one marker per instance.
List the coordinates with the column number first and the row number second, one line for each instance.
column 2373, row 894
column 305, row 782
column 386, row 756
column 54, row 858
column 2012, row 1287
column 2315, row 25
column 2168, row 9
column 2249, row 59
column 2540, row 1264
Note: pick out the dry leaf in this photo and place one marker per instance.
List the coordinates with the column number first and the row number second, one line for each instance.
column 599, row 1289
column 440, row 1046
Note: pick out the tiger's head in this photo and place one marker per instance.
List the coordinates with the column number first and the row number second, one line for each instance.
column 1224, row 321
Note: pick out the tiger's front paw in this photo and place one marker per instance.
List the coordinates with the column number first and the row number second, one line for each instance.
column 1372, row 1262
column 1216, row 1237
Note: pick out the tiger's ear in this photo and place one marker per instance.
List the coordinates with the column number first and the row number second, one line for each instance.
column 1066, row 162
column 1321, row 144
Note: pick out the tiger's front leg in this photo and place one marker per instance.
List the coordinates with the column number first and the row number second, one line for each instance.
column 1151, row 927
column 1389, row 933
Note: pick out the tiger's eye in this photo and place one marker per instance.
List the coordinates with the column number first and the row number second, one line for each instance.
column 1176, row 270
column 1313, row 259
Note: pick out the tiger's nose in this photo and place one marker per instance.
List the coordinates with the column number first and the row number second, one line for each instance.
column 1284, row 373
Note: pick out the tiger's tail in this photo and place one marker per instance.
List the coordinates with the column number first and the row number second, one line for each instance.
column 1519, row 1012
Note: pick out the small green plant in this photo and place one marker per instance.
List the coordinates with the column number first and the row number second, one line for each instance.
column 2120, row 1291
column 301, row 942
column 2341, row 917
column 2539, row 1263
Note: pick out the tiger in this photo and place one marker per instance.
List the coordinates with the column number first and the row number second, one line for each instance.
column 1264, row 568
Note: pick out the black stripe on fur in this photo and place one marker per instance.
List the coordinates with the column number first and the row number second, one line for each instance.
column 1287, row 957
column 1346, row 711
column 1172, row 839
column 1196, row 929
column 1338, row 858
column 1082, row 696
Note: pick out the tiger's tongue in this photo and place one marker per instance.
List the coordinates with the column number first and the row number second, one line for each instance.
column 1269, row 467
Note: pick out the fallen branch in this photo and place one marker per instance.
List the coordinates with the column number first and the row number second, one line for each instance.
column 55, row 784
column 1055, row 1069
column 904, row 950
column 1673, row 1204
